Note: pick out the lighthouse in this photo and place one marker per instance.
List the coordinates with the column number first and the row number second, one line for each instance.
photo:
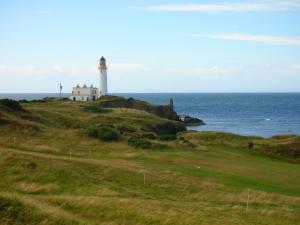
column 103, row 77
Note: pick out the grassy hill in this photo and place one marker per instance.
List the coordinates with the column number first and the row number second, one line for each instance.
column 53, row 172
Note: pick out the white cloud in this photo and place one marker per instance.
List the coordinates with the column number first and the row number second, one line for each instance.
column 66, row 69
column 208, row 71
column 275, row 40
column 262, row 6
column 69, row 69
column 25, row 70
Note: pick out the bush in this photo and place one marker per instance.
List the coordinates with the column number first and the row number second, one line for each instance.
column 12, row 211
column 104, row 133
column 12, row 104
column 95, row 109
column 23, row 101
column 168, row 137
column 125, row 129
column 149, row 135
column 139, row 142
column 167, row 128
column 31, row 165
column 250, row 145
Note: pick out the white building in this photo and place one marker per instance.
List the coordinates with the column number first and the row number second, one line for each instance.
column 102, row 77
column 85, row 93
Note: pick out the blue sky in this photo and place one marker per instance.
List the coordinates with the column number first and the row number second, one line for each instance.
column 150, row 45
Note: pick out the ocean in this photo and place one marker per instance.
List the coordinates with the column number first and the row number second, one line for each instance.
column 259, row 114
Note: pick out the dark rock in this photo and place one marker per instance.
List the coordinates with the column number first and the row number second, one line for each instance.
column 190, row 121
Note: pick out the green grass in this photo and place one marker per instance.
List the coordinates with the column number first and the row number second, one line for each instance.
column 55, row 173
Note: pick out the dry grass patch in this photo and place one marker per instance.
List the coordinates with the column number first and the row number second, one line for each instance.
column 35, row 187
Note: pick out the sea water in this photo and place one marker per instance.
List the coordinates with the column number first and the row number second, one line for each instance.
column 260, row 114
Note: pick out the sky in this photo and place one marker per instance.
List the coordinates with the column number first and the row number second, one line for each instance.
column 150, row 45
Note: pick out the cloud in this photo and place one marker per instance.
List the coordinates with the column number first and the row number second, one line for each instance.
column 275, row 40
column 263, row 6
column 208, row 71
column 247, row 69
column 27, row 70
column 65, row 69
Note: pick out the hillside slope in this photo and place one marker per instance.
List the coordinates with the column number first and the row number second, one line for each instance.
column 53, row 172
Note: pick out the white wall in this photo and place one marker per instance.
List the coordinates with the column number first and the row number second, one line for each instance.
column 84, row 93
column 103, row 82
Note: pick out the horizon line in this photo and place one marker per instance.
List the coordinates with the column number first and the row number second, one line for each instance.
column 207, row 92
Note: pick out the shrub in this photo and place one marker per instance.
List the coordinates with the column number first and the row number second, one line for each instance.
column 149, row 135
column 12, row 211
column 93, row 131
column 250, row 145
column 12, row 104
column 37, row 100
column 104, row 133
column 167, row 128
column 168, row 137
column 95, row 109
column 31, row 165
column 125, row 129
column 23, row 101
column 139, row 142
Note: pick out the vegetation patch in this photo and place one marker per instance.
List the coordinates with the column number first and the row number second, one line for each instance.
column 95, row 109
column 104, row 133
column 168, row 137
column 123, row 129
column 37, row 188
column 33, row 101
column 167, row 128
column 14, row 212
column 52, row 99
column 139, row 142
column 149, row 135
column 31, row 166
column 11, row 104
column 280, row 146
column 62, row 176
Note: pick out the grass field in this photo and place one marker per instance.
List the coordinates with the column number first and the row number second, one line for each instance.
column 52, row 172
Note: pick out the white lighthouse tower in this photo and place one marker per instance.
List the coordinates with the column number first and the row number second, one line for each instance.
column 103, row 77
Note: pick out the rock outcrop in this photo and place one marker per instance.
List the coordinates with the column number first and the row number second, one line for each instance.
column 164, row 111
column 190, row 121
